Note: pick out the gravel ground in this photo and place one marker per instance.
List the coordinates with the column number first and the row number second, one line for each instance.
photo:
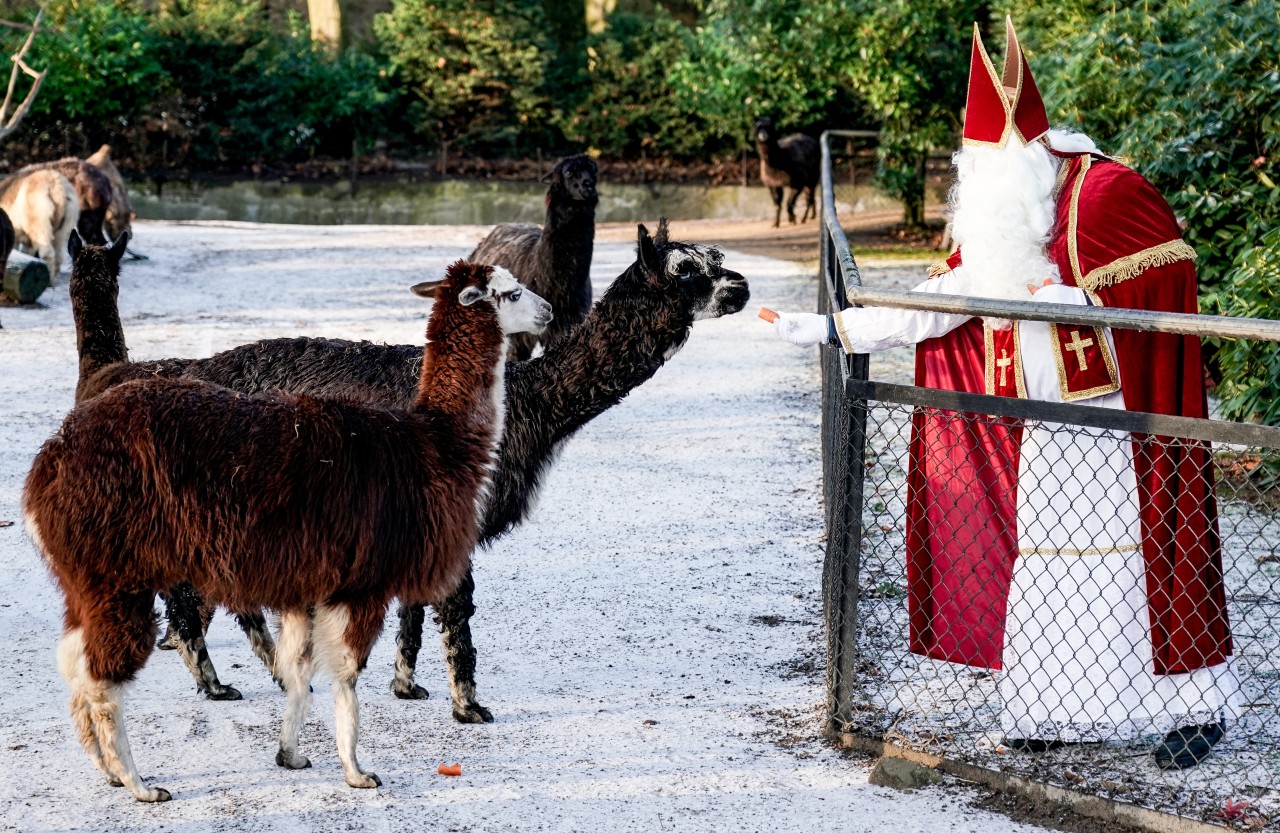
column 649, row 643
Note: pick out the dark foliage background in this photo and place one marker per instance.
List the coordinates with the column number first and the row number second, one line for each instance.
column 1187, row 91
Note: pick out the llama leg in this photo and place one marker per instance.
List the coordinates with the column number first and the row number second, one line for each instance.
column 454, row 617
column 254, row 626
column 186, row 618
column 776, row 195
column 293, row 665
column 343, row 637
column 791, row 205
column 107, row 710
column 408, row 642
column 43, row 247
column 72, row 667
column 809, row 209
column 168, row 641
column 117, row 643
column 62, row 233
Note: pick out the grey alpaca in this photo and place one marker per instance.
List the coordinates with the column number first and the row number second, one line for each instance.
column 553, row 260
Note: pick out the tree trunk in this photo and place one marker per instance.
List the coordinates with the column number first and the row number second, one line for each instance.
column 913, row 200
column 24, row 278
column 597, row 11
column 326, row 23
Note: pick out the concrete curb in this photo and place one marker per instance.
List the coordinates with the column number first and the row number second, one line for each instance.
column 1089, row 806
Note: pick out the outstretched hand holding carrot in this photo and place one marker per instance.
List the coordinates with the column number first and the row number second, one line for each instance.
column 800, row 328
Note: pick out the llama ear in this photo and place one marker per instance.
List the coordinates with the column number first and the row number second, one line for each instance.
column 548, row 177
column 646, row 252
column 75, row 245
column 470, row 295
column 662, row 237
column 118, row 247
column 426, row 289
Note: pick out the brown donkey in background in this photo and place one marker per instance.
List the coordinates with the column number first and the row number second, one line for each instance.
column 321, row 510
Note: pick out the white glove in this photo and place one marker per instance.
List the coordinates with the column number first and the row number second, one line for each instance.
column 802, row 328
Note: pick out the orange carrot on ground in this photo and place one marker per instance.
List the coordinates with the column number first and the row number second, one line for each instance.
column 767, row 314
column 449, row 769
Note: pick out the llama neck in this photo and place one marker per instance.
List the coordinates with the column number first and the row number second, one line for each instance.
column 462, row 362
column 627, row 336
column 99, row 334
column 568, row 225
column 769, row 152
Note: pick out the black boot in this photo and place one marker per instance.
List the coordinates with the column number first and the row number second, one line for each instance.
column 1187, row 746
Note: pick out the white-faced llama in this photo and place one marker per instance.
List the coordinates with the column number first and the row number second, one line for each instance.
column 322, row 510
column 641, row 321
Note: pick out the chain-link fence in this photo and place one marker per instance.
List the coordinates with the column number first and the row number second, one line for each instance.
column 1076, row 596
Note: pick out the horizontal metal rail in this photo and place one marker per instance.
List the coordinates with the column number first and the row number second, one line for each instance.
column 1207, row 430
column 1219, row 326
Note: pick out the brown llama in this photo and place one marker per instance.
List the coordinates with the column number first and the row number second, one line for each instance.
column 120, row 214
column 323, row 510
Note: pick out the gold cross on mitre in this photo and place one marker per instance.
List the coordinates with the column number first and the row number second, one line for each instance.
column 1077, row 346
column 1003, row 363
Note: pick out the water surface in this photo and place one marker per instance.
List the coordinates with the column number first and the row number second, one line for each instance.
column 451, row 202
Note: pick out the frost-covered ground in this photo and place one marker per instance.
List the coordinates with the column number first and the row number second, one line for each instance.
column 649, row 644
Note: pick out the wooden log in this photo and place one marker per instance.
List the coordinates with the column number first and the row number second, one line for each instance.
column 25, row 278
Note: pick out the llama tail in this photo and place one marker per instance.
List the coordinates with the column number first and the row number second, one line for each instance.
column 94, row 290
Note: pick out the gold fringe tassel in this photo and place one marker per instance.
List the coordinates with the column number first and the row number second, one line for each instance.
column 1130, row 266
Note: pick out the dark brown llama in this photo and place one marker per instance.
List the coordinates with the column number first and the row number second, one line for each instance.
column 553, row 260
column 793, row 162
column 323, row 510
column 640, row 323
column 95, row 285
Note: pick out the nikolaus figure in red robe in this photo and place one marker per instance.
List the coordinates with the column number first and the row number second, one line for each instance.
column 1084, row 564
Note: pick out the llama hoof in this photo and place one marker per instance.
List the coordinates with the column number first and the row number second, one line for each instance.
column 152, row 795
column 292, row 760
column 472, row 713
column 364, row 781
column 168, row 642
column 413, row 691
column 113, row 781
column 226, row 692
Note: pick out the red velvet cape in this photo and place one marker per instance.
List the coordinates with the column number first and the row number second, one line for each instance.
column 1115, row 237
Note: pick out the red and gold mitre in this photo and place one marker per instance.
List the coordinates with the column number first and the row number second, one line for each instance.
column 1000, row 106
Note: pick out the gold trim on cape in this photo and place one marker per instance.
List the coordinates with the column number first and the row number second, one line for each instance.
column 1073, row 254
column 1130, row 266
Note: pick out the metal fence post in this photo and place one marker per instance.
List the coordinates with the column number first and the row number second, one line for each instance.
column 844, row 448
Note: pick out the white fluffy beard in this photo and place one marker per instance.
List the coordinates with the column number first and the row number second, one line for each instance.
column 1002, row 217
